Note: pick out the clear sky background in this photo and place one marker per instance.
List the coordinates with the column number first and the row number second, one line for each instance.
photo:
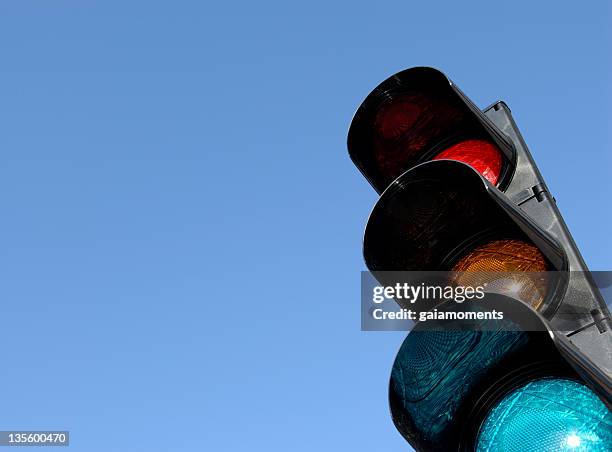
column 181, row 224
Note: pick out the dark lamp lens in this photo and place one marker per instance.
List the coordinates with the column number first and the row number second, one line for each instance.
column 408, row 125
column 395, row 118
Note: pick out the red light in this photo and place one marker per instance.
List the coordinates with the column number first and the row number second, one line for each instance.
column 481, row 155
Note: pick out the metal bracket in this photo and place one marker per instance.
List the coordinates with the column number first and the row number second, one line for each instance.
column 538, row 192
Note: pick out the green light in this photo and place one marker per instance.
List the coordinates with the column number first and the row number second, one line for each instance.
column 551, row 414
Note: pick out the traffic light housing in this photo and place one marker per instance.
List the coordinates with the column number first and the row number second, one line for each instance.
column 416, row 116
column 461, row 192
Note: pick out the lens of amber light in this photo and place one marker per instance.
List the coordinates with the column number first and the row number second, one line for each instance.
column 520, row 263
column 481, row 155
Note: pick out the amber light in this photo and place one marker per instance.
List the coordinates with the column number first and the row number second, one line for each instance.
column 520, row 261
column 481, row 155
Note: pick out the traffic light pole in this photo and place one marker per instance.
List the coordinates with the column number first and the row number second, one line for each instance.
column 591, row 333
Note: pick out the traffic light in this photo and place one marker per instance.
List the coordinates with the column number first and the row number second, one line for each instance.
column 460, row 193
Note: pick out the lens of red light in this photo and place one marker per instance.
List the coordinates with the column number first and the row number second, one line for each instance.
column 396, row 118
column 481, row 155
column 406, row 126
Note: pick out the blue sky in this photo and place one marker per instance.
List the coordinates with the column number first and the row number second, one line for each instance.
column 181, row 224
